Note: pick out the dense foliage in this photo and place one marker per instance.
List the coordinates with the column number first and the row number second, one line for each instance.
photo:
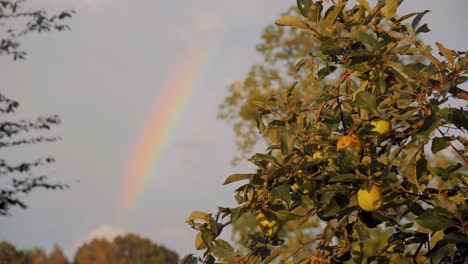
column 127, row 249
column 9, row 254
column 16, row 180
column 351, row 142
column 124, row 250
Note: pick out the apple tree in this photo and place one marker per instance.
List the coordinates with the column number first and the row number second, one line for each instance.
column 351, row 142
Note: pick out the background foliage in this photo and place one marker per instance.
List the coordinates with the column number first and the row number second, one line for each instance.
column 127, row 249
column 351, row 65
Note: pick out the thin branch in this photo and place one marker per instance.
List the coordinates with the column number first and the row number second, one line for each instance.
column 302, row 247
column 419, row 248
column 422, row 197
column 343, row 78
column 459, row 152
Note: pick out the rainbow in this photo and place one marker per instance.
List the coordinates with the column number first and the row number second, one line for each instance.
column 159, row 128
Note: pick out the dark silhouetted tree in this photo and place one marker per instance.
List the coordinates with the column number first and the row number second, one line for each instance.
column 9, row 254
column 16, row 180
column 124, row 250
column 57, row 256
column 35, row 256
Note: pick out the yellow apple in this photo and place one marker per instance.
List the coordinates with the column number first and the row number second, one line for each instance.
column 351, row 141
column 381, row 126
column 369, row 199
column 265, row 226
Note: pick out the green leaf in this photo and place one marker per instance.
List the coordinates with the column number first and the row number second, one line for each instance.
column 361, row 68
column 285, row 143
column 285, row 215
column 292, row 21
column 189, row 259
column 366, row 38
column 331, row 209
column 332, row 15
column 431, row 123
column 222, row 248
column 348, row 177
column 325, row 71
column 455, row 237
column 390, row 8
column 447, row 53
column 237, row 177
column 438, row 144
column 259, row 157
column 404, row 17
column 423, row 29
column 198, row 215
column 366, row 101
column 434, row 221
column 399, row 71
column 304, row 6
column 418, row 18
column 282, row 193
column 446, row 173
column 362, row 232
column 409, row 161
column 455, row 116
column 461, row 79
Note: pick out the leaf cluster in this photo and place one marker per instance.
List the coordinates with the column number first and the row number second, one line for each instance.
column 16, row 21
column 365, row 64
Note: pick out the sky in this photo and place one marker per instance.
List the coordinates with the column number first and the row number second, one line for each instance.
column 110, row 79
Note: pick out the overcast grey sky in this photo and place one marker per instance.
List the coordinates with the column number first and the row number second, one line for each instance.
column 102, row 79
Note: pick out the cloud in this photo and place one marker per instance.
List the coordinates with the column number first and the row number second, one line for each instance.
column 108, row 232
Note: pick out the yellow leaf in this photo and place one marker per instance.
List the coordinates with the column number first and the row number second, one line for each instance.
column 436, row 237
column 365, row 4
column 361, row 88
column 333, row 14
column 390, row 8
column 198, row 215
column 292, row 21
column 199, row 244
column 447, row 53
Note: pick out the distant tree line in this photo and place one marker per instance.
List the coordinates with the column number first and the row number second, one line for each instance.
column 125, row 249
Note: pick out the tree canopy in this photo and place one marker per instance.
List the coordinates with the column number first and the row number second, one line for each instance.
column 10, row 254
column 351, row 142
column 124, row 250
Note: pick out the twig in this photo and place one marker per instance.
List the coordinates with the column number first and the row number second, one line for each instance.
column 419, row 248
column 423, row 197
column 302, row 247
column 451, row 145
column 343, row 78
column 239, row 260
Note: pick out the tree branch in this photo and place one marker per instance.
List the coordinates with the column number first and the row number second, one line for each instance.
column 302, row 247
